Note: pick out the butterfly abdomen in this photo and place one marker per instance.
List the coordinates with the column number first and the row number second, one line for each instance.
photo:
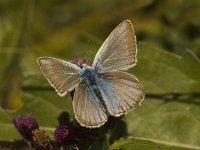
column 89, row 79
column 89, row 76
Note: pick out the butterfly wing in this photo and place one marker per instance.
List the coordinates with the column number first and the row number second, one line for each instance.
column 87, row 107
column 118, row 52
column 62, row 75
column 121, row 92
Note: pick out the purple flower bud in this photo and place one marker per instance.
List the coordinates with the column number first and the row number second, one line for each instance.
column 80, row 63
column 25, row 125
column 62, row 133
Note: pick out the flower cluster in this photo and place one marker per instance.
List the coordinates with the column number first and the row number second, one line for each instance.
column 67, row 135
column 29, row 129
column 80, row 63
column 41, row 141
column 62, row 132
column 37, row 139
column 25, row 125
column 70, row 136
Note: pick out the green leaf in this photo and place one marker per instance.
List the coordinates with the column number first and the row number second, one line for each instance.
column 163, row 72
column 144, row 144
column 173, row 121
column 7, row 129
column 170, row 111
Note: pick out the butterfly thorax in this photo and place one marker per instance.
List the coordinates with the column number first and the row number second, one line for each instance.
column 89, row 75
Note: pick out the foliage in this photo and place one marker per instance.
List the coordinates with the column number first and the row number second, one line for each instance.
column 168, row 67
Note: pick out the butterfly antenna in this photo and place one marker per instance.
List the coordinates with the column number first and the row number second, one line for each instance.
column 88, row 53
column 89, row 44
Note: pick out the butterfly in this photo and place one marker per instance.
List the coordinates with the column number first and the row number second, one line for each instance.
column 102, row 89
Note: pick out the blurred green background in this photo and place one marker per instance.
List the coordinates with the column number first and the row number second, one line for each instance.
column 168, row 35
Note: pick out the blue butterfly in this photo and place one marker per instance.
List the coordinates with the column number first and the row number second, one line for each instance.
column 101, row 90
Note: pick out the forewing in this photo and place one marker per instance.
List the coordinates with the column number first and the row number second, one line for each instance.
column 88, row 109
column 120, row 91
column 62, row 75
column 119, row 50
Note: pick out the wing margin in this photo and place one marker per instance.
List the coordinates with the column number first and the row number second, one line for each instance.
column 119, row 50
column 120, row 91
column 63, row 76
column 88, row 110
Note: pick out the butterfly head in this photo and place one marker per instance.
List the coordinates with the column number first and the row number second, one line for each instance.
column 88, row 74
